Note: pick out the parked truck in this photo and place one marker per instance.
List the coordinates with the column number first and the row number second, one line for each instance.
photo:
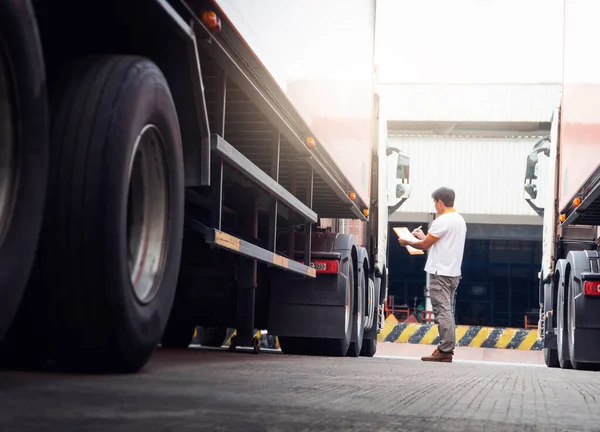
column 570, row 205
column 165, row 166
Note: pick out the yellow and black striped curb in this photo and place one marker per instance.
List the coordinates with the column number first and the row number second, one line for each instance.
column 466, row 336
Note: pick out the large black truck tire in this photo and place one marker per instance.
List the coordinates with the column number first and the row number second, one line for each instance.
column 110, row 247
column 23, row 151
column 562, row 341
column 571, row 320
column 547, row 299
column 358, row 322
column 369, row 348
column 551, row 357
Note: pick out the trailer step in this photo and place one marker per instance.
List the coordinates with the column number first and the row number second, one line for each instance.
column 261, row 178
column 223, row 240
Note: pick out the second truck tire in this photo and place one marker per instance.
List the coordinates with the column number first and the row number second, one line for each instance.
column 110, row 247
column 562, row 341
column 369, row 348
column 358, row 324
column 551, row 357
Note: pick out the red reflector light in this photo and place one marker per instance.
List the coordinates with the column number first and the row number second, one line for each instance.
column 325, row 266
column 591, row 288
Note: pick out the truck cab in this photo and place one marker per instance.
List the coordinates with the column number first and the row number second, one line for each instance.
column 570, row 260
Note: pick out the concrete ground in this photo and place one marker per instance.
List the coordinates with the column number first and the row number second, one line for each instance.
column 463, row 354
column 204, row 390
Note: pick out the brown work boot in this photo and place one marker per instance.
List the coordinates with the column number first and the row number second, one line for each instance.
column 439, row 356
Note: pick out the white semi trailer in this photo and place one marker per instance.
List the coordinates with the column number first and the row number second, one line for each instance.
column 164, row 165
column 562, row 183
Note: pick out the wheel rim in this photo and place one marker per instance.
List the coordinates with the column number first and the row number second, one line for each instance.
column 571, row 319
column 359, row 321
column 147, row 213
column 348, row 296
column 8, row 147
column 359, row 313
column 560, row 323
column 561, row 319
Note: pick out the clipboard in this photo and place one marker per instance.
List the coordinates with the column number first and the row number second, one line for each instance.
column 403, row 232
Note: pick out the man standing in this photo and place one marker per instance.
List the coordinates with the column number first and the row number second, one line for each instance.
column 446, row 239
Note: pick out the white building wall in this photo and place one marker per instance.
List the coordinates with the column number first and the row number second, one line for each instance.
column 470, row 102
column 486, row 174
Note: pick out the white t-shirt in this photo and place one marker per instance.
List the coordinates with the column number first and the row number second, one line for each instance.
column 445, row 256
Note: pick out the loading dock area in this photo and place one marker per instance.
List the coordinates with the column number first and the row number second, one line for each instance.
column 475, row 141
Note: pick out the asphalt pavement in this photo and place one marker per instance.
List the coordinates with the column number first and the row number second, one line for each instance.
column 215, row 390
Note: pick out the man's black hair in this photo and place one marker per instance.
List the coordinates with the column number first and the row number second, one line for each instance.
column 445, row 195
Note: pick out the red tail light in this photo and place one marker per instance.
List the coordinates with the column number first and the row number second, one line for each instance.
column 325, row 266
column 591, row 288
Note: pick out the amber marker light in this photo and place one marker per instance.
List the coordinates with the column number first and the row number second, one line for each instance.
column 366, row 212
column 211, row 20
column 310, row 143
column 352, row 196
column 576, row 202
column 562, row 218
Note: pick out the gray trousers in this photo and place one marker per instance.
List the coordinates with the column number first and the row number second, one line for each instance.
column 442, row 290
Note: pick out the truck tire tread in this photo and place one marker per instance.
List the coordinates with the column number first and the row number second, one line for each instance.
column 92, row 318
column 551, row 357
column 369, row 348
column 561, row 333
column 358, row 329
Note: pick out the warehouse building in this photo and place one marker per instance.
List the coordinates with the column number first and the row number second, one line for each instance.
column 474, row 139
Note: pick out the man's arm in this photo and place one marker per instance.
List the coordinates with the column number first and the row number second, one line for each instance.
column 423, row 245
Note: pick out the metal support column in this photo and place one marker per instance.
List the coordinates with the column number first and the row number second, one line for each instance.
column 216, row 192
column 247, row 278
column 274, row 206
column 292, row 214
column 216, row 167
column 308, row 226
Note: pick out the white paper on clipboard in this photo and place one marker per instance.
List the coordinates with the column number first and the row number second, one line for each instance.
column 404, row 233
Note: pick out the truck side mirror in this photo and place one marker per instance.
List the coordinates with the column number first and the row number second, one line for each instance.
column 401, row 179
column 402, row 191
column 532, row 174
column 402, row 176
column 390, row 150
